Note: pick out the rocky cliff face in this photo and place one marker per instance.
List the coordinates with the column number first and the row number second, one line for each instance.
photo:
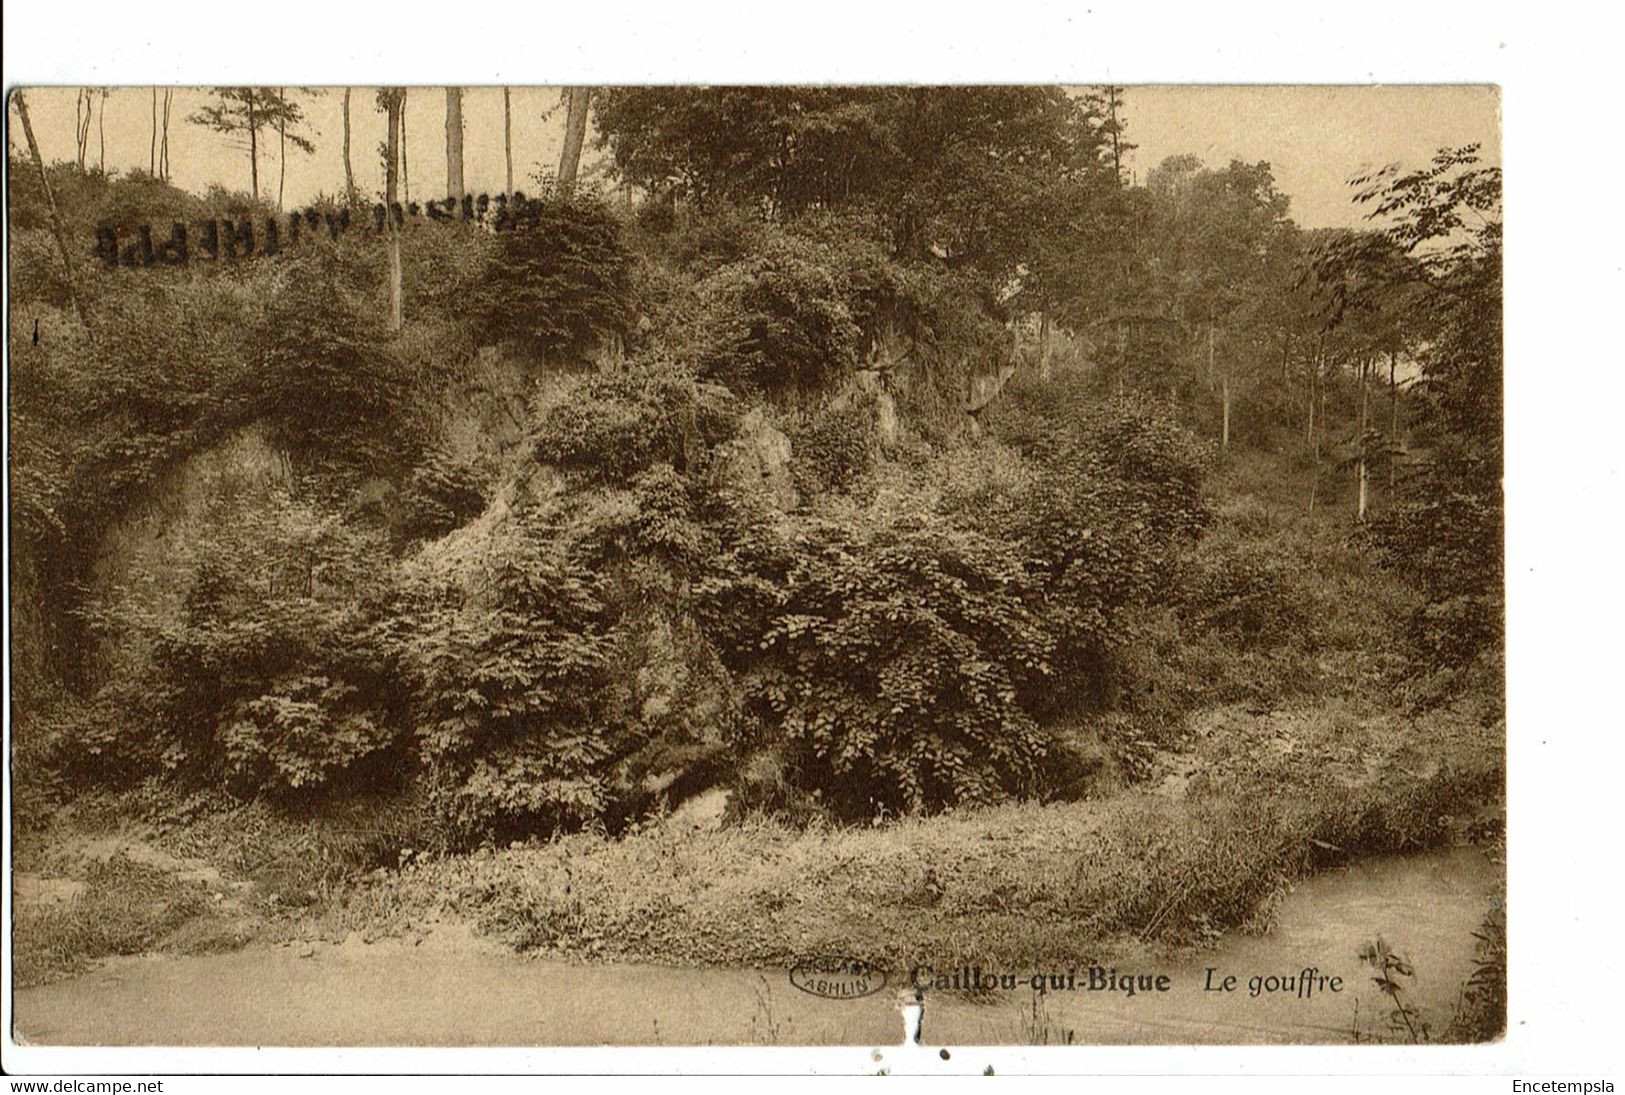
column 758, row 459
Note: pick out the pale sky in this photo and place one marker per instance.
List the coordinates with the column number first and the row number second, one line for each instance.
column 199, row 156
column 1315, row 137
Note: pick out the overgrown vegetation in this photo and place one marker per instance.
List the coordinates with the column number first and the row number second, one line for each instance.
column 123, row 908
column 1015, row 883
column 858, row 472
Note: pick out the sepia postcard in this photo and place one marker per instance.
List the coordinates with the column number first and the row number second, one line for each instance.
column 756, row 565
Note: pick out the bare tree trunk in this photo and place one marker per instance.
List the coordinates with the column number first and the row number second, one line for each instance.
column 87, row 97
column 349, row 173
column 454, row 142
column 253, row 146
column 406, row 168
column 507, row 137
column 1117, row 146
column 163, row 144
column 101, row 132
column 1224, row 399
column 391, row 177
column 282, row 152
column 1365, row 464
column 50, row 205
column 152, row 150
column 575, row 133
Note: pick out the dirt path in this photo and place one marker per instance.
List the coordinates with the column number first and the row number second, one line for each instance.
column 455, row 990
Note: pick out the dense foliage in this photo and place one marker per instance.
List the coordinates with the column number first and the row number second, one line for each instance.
column 534, row 596
column 616, row 425
column 512, row 688
column 559, row 282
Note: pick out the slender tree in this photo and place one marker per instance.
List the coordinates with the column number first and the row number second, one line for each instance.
column 163, row 143
column 349, row 173
column 83, row 109
column 152, row 150
column 406, row 173
column 244, row 111
column 575, row 134
column 50, row 205
column 282, row 153
column 391, row 100
column 1114, row 126
column 101, row 130
column 234, row 111
column 507, row 138
column 454, row 143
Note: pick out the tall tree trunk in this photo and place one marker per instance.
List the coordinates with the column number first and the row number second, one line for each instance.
column 406, row 165
column 83, row 104
column 101, row 132
column 575, row 133
column 349, row 173
column 1224, row 399
column 1117, row 145
column 392, row 157
column 282, row 151
column 253, row 146
column 50, row 205
column 163, row 144
column 1365, row 464
column 152, row 150
column 507, row 138
column 454, row 142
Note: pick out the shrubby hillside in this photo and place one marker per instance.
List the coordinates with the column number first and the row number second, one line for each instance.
column 893, row 475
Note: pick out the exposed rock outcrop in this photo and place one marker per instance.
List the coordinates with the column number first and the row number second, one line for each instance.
column 758, row 458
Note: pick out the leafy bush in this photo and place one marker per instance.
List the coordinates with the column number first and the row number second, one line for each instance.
column 513, row 693
column 779, row 319
column 1449, row 544
column 1101, row 525
column 836, row 447
column 1247, row 593
column 899, row 668
column 616, row 425
column 272, row 681
column 559, row 282
column 665, row 524
column 327, row 385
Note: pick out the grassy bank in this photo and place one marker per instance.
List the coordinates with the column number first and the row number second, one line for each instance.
column 1218, row 829
column 1272, row 799
column 117, row 906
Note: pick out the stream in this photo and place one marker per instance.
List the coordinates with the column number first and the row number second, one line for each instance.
column 1425, row 906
